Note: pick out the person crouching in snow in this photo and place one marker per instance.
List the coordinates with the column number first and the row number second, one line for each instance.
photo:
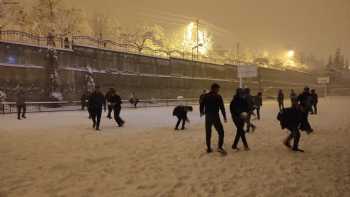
column 291, row 119
column 180, row 112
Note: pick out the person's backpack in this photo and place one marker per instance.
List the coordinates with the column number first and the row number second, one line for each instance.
column 175, row 111
column 289, row 118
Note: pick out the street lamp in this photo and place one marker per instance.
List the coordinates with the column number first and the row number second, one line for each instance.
column 290, row 54
column 196, row 47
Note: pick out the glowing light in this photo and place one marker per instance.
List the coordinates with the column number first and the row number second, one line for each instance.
column 266, row 54
column 190, row 39
column 290, row 54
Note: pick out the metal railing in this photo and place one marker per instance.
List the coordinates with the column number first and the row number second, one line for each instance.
column 29, row 38
column 65, row 41
column 11, row 107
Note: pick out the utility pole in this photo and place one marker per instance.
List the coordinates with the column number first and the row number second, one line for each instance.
column 238, row 64
column 237, row 52
column 197, row 22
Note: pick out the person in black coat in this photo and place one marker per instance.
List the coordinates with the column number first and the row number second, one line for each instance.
column 291, row 119
column 293, row 97
column 180, row 112
column 21, row 104
column 250, row 100
column 116, row 104
column 210, row 106
column 239, row 109
column 314, row 101
column 108, row 100
column 280, row 100
column 258, row 104
column 96, row 102
column 83, row 99
column 134, row 100
column 305, row 103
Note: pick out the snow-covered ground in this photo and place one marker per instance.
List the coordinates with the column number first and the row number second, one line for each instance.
column 59, row 154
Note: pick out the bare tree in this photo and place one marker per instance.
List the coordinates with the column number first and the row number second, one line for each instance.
column 12, row 16
column 104, row 27
column 144, row 36
column 173, row 44
column 52, row 15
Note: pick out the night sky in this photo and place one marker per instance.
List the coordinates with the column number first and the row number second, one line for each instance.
column 318, row 26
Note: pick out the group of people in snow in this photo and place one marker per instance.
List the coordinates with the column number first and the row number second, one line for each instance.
column 242, row 107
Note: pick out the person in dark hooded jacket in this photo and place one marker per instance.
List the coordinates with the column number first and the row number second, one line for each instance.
column 239, row 109
column 116, row 105
column 83, row 99
column 314, row 101
column 180, row 112
column 305, row 103
column 108, row 100
column 280, row 99
column 96, row 102
column 210, row 106
column 291, row 119
column 258, row 102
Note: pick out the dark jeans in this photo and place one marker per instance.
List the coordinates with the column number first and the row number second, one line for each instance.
column 280, row 105
column 179, row 119
column 249, row 123
column 109, row 111
column 210, row 120
column 96, row 117
column 315, row 108
column 117, row 117
column 240, row 134
column 295, row 135
column 21, row 109
column 258, row 113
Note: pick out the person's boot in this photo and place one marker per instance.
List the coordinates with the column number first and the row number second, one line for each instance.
column 24, row 117
column 286, row 142
column 121, row 124
column 298, row 150
column 222, row 151
column 209, row 150
column 19, row 118
column 93, row 124
column 235, row 147
column 246, row 148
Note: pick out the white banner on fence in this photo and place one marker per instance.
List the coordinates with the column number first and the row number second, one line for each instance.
column 247, row 71
column 323, row 80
